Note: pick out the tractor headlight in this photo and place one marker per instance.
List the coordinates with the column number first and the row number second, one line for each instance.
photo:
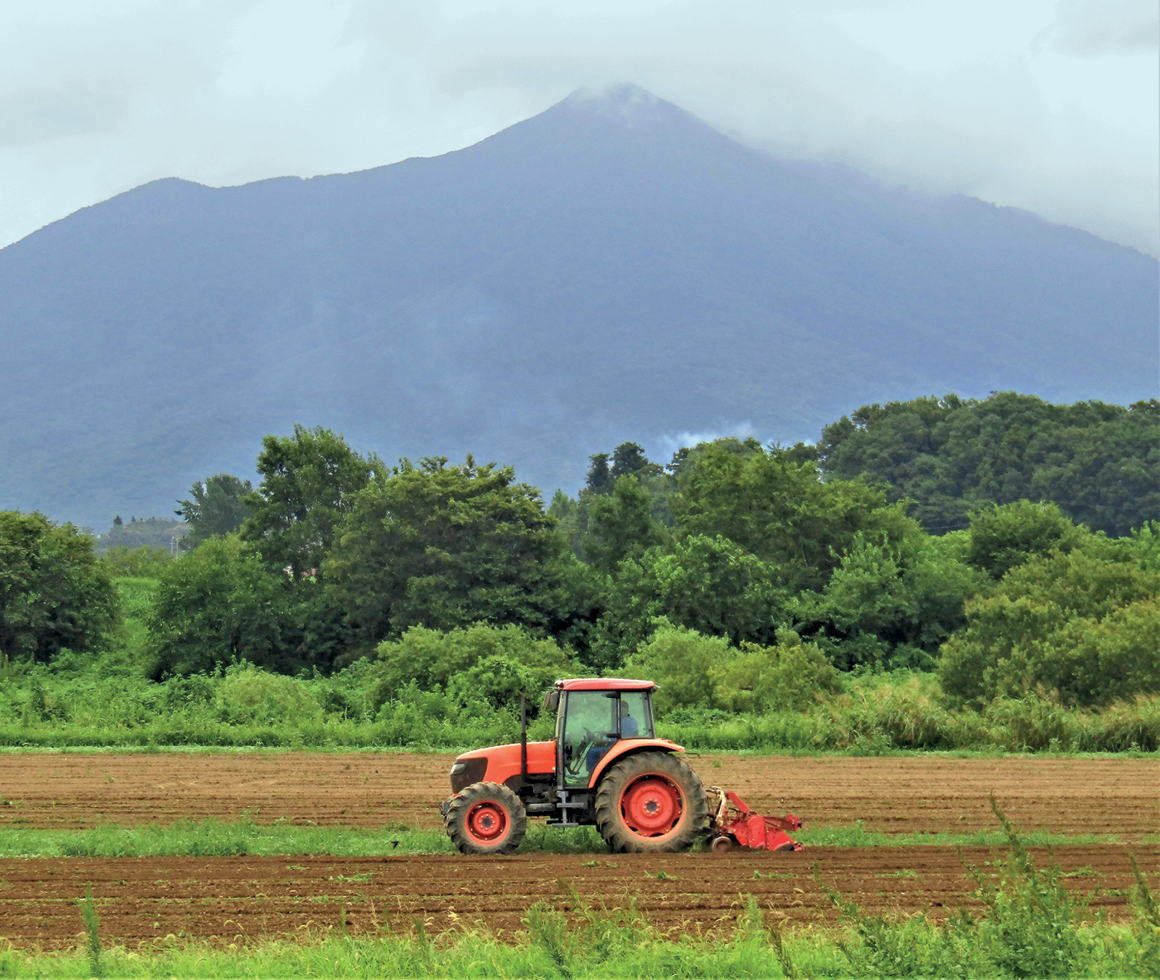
column 464, row 772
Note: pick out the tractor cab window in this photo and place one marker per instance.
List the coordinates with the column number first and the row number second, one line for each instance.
column 635, row 715
column 593, row 721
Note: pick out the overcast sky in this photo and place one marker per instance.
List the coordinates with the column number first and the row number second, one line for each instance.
column 1050, row 106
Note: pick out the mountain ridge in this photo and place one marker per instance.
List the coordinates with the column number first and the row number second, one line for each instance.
column 610, row 269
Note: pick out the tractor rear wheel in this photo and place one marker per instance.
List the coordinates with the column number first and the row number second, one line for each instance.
column 486, row 818
column 652, row 801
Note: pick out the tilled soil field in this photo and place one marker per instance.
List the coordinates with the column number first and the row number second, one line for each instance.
column 894, row 795
column 243, row 899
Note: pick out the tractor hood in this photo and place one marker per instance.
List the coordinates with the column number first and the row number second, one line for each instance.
column 498, row 763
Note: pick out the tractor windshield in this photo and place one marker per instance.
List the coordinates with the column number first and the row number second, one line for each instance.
column 593, row 720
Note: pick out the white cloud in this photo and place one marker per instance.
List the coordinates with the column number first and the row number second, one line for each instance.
column 671, row 443
column 1091, row 28
column 1051, row 107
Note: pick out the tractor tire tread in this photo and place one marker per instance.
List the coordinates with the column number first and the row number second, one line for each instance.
column 462, row 802
column 610, row 823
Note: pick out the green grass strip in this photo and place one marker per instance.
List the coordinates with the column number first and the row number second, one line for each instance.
column 212, row 838
column 856, row 835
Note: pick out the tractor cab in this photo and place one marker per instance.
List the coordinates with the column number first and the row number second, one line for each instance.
column 592, row 716
column 604, row 767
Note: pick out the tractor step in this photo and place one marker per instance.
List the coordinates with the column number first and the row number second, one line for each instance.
column 564, row 805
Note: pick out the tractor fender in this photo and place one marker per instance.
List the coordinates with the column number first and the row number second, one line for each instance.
column 628, row 746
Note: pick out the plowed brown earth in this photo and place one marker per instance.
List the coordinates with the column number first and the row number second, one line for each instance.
column 895, row 795
column 244, row 899
column 143, row 899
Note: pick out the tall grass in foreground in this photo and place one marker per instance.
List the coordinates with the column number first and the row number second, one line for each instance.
column 1031, row 928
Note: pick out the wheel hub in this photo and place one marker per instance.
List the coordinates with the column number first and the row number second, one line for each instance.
column 487, row 821
column 651, row 806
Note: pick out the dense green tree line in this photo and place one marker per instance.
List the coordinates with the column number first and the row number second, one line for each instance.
column 1100, row 463
column 743, row 575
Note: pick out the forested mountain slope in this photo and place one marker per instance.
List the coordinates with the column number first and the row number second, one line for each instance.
column 1099, row 463
column 611, row 268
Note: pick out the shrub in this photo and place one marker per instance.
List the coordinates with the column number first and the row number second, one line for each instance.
column 53, row 591
column 1146, row 545
column 1083, row 624
column 789, row 676
column 414, row 717
column 248, row 695
column 447, row 546
column 890, row 602
column 494, row 663
column 680, row 661
column 707, row 584
column 1035, row 722
column 697, row 671
column 1007, row 535
column 219, row 605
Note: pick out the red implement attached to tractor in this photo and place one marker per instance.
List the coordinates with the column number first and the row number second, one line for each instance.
column 605, row 767
column 734, row 824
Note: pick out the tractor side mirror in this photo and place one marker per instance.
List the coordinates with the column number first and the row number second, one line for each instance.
column 551, row 700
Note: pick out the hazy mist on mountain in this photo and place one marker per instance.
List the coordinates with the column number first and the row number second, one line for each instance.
column 611, row 269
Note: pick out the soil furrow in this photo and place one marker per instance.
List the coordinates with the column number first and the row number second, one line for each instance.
column 247, row 899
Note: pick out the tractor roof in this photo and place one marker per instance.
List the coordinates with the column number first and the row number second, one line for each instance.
column 604, row 684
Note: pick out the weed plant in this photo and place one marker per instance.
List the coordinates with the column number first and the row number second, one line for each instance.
column 92, row 931
column 1031, row 927
column 1145, row 958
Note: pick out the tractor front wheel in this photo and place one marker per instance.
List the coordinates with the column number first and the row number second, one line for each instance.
column 652, row 801
column 486, row 818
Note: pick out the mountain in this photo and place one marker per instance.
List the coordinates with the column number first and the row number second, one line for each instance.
column 610, row 269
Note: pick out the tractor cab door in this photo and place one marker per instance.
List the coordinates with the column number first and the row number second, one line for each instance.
column 588, row 724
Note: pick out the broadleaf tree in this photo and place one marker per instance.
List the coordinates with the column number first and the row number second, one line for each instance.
column 54, row 593
column 218, row 506
column 447, row 546
column 309, row 481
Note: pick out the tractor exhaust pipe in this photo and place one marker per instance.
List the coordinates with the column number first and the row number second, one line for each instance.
column 523, row 737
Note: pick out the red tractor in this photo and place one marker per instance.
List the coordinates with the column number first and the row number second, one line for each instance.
column 605, row 767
